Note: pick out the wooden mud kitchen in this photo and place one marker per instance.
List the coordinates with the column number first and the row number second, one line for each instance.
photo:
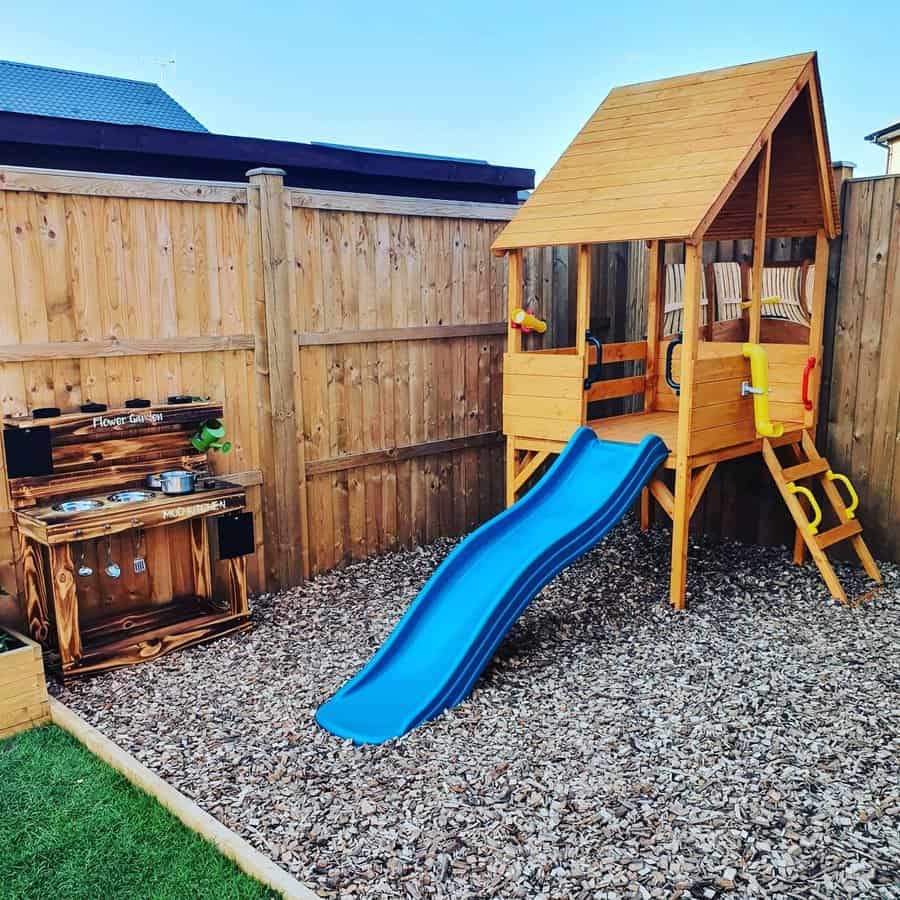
column 118, row 567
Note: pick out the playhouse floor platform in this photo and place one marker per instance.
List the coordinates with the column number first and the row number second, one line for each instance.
column 746, row 748
column 632, row 428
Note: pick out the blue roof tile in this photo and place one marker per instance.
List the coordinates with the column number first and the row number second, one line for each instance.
column 41, row 91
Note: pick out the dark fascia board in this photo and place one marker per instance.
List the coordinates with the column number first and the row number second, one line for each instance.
column 882, row 133
column 252, row 152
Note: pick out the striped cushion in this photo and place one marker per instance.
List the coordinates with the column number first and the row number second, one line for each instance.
column 728, row 290
column 674, row 307
column 783, row 282
column 810, row 276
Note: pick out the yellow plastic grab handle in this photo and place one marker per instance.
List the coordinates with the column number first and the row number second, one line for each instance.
column 765, row 301
column 817, row 510
column 844, row 480
column 759, row 377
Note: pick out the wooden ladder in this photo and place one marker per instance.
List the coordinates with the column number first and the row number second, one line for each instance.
column 810, row 464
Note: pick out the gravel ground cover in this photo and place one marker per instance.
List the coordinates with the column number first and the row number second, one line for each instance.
column 613, row 748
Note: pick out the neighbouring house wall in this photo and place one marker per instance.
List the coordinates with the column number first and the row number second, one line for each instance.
column 354, row 340
column 893, row 157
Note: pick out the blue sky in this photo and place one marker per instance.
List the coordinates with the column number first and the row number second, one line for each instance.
column 507, row 82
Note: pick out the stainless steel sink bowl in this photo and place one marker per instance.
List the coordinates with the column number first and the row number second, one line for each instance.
column 73, row 506
column 130, row 496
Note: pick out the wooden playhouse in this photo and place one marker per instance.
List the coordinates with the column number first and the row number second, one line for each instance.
column 728, row 154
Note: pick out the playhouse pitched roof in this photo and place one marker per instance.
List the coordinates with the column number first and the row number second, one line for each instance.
column 661, row 159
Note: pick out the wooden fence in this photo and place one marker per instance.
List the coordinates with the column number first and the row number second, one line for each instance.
column 861, row 390
column 356, row 344
column 354, row 340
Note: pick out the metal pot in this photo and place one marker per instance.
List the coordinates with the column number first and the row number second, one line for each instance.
column 152, row 481
column 177, row 481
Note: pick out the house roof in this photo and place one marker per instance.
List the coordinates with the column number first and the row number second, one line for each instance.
column 42, row 91
column 882, row 134
column 676, row 158
column 79, row 146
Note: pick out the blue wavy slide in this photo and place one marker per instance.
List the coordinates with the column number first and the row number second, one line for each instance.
column 448, row 634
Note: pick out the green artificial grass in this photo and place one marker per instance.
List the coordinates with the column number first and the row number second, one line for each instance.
column 71, row 827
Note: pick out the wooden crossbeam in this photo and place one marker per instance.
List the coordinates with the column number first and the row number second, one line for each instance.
column 663, row 496
column 698, row 486
column 806, row 469
column 838, row 533
column 529, row 467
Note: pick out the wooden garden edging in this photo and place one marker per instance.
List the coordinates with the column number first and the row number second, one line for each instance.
column 247, row 858
column 23, row 688
column 354, row 341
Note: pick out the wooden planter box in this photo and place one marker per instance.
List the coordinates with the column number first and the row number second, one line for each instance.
column 23, row 690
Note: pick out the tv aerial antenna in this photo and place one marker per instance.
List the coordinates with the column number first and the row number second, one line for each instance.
column 167, row 66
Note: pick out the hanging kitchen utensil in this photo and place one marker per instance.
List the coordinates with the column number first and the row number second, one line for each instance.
column 112, row 568
column 139, row 562
column 84, row 570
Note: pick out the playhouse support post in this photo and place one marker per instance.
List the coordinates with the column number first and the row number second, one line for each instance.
column 582, row 298
column 513, row 345
column 583, row 312
column 514, row 299
column 817, row 325
column 681, row 518
column 655, row 289
column 759, row 242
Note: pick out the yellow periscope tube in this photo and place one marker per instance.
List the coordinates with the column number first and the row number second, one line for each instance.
column 759, row 377
column 527, row 321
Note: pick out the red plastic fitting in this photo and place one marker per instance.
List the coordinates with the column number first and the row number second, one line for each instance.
column 807, row 371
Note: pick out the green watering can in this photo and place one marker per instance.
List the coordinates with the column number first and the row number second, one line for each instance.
column 209, row 437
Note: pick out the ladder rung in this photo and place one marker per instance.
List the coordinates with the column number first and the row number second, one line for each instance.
column 806, row 470
column 848, row 530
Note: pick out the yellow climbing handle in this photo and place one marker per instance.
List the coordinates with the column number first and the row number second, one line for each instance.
column 766, row 301
column 759, row 388
column 844, row 480
column 817, row 510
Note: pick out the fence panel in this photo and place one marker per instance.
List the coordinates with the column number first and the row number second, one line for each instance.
column 402, row 320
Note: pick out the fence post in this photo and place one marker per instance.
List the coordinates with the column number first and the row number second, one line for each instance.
column 278, row 395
